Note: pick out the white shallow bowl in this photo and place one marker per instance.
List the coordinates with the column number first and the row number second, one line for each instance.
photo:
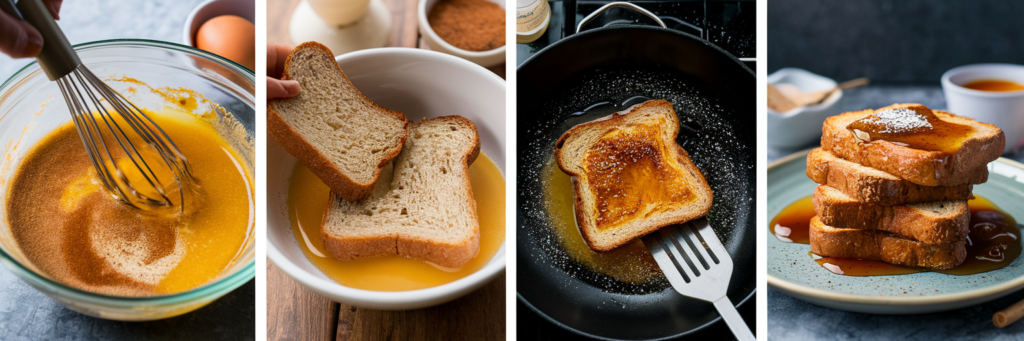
column 1002, row 109
column 214, row 8
column 483, row 58
column 421, row 84
column 800, row 126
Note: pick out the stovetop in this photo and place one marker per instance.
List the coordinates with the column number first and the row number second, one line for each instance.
column 727, row 24
column 730, row 25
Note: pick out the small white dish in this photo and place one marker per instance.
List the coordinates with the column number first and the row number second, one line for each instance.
column 369, row 30
column 800, row 126
column 1002, row 109
column 487, row 58
column 214, row 8
column 419, row 83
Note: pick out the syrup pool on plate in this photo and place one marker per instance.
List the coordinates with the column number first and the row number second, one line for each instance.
column 993, row 241
column 307, row 200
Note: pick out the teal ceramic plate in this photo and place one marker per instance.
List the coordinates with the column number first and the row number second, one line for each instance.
column 791, row 269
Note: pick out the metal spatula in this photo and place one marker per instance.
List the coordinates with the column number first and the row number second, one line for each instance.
column 697, row 265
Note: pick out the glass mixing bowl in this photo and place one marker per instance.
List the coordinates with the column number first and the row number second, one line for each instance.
column 31, row 106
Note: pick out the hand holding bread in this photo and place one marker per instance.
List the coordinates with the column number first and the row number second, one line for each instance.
column 396, row 189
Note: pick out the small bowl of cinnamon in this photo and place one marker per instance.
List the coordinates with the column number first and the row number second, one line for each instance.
column 470, row 29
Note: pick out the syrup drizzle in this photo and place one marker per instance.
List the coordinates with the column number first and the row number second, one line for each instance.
column 913, row 126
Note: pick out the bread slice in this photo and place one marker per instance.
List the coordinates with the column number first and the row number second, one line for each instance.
column 342, row 136
column 939, row 222
column 422, row 207
column 873, row 186
column 965, row 165
column 883, row 246
column 630, row 176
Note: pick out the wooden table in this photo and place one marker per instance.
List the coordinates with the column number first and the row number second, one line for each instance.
column 294, row 313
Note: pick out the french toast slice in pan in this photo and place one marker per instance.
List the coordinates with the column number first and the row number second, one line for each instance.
column 629, row 175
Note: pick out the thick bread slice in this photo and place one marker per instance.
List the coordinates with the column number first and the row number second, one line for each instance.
column 940, row 222
column 630, row 176
column 342, row 136
column 422, row 209
column 929, row 168
column 873, row 186
column 883, row 246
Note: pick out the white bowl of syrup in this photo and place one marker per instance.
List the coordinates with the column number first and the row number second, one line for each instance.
column 420, row 84
column 990, row 93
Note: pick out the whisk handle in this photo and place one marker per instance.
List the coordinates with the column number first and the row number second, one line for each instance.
column 57, row 58
column 8, row 7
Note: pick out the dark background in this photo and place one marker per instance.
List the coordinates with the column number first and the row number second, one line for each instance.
column 893, row 41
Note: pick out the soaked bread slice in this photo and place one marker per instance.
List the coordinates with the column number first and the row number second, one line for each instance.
column 960, row 148
column 342, row 136
column 939, row 222
column 629, row 175
column 876, row 187
column 883, row 246
column 422, row 207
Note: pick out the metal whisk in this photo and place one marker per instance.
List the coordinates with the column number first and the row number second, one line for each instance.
column 119, row 138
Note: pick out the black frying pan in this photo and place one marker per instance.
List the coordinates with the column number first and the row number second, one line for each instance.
column 600, row 71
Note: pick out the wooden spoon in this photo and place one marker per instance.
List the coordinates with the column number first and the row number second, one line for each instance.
column 816, row 97
column 784, row 99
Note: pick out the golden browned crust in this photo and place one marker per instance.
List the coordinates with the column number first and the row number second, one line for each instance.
column 928, row 168
column 851, row 179
column 588, row 229
column 299, row 147
column 906, row 221
column 883, row 246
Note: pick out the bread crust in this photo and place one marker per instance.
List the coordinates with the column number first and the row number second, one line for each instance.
column 883, row 246
column 302, row 149
column 443, row 253
column 651, row 223
column 907, row 221
column 889, row 190
column 928, row 168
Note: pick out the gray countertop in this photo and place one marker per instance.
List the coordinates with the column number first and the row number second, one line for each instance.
column 27, row 314
column 793, row 319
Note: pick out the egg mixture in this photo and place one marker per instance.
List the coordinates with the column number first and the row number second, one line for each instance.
column 75, row 232
column 307, row 200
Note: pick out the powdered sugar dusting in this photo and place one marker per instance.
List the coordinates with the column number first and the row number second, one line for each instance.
column 900, row 120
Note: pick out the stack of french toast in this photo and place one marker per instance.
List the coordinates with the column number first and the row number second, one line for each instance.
column 894, row 184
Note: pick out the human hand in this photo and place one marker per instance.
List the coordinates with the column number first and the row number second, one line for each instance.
column 277, row 88
column 19, row 39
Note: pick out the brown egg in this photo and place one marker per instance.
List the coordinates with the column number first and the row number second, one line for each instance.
column 231, row 37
